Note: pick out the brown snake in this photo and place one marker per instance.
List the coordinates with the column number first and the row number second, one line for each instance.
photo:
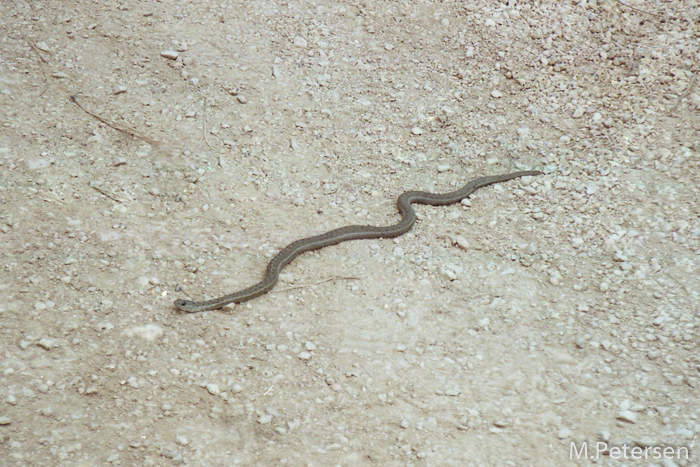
column 350, row 232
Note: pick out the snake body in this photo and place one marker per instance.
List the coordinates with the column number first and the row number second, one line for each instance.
column 350, row 232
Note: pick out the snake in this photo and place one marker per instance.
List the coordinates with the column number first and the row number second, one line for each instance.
column 347, row 233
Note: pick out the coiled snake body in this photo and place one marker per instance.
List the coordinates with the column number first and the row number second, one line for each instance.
column 350, row 232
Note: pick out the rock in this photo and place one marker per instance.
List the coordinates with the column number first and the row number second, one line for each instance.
column 47, row 343
column 309, row 345
column 627, row 416
column 169, row 54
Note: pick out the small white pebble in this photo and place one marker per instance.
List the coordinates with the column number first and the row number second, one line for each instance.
column 169, row 54
column 265, row 419
column 47, row 343
column 149, row 332
column 416, row 131
column 304, row 355
column 448, row 274
column 496, row 94
column 213, row 389
column 35, row 164
column 443, row 168
column 309, row 345
column 627, row 416
column 462, row 242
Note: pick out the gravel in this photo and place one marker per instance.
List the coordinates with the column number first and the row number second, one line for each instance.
column 536, row 313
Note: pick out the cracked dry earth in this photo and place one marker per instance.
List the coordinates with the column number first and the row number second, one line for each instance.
column 159, row 150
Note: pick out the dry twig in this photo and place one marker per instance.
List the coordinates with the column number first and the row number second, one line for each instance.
column 302, row 286
column 685, row 94
column 126, row 130
column 639, row 10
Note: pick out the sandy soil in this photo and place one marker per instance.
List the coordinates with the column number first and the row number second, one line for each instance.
column 159, row 150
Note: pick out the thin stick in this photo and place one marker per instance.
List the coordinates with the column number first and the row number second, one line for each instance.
column 41, row 58
column 104, row 193
column 302, row 286
column 126, row 130
column 204, row 122
column 685, row 94
column 637, row 9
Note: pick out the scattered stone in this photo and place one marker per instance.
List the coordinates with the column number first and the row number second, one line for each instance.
column 304, row 355
column 170, row 54
column 5, row 420
column 484, row 322
column 133, row 382
column 645, row 441
column 213, row 389
column 443, row 168
column 309, row 345
column 496, row 94
column 149, row 332
column 627, row 416
column 462, row 242
column 265, row 419
column 416, row 131
column 300, row 42
column 47, row 344
column 37, row 163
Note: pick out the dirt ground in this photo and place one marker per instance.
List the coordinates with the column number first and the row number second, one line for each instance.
column 154, row 150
